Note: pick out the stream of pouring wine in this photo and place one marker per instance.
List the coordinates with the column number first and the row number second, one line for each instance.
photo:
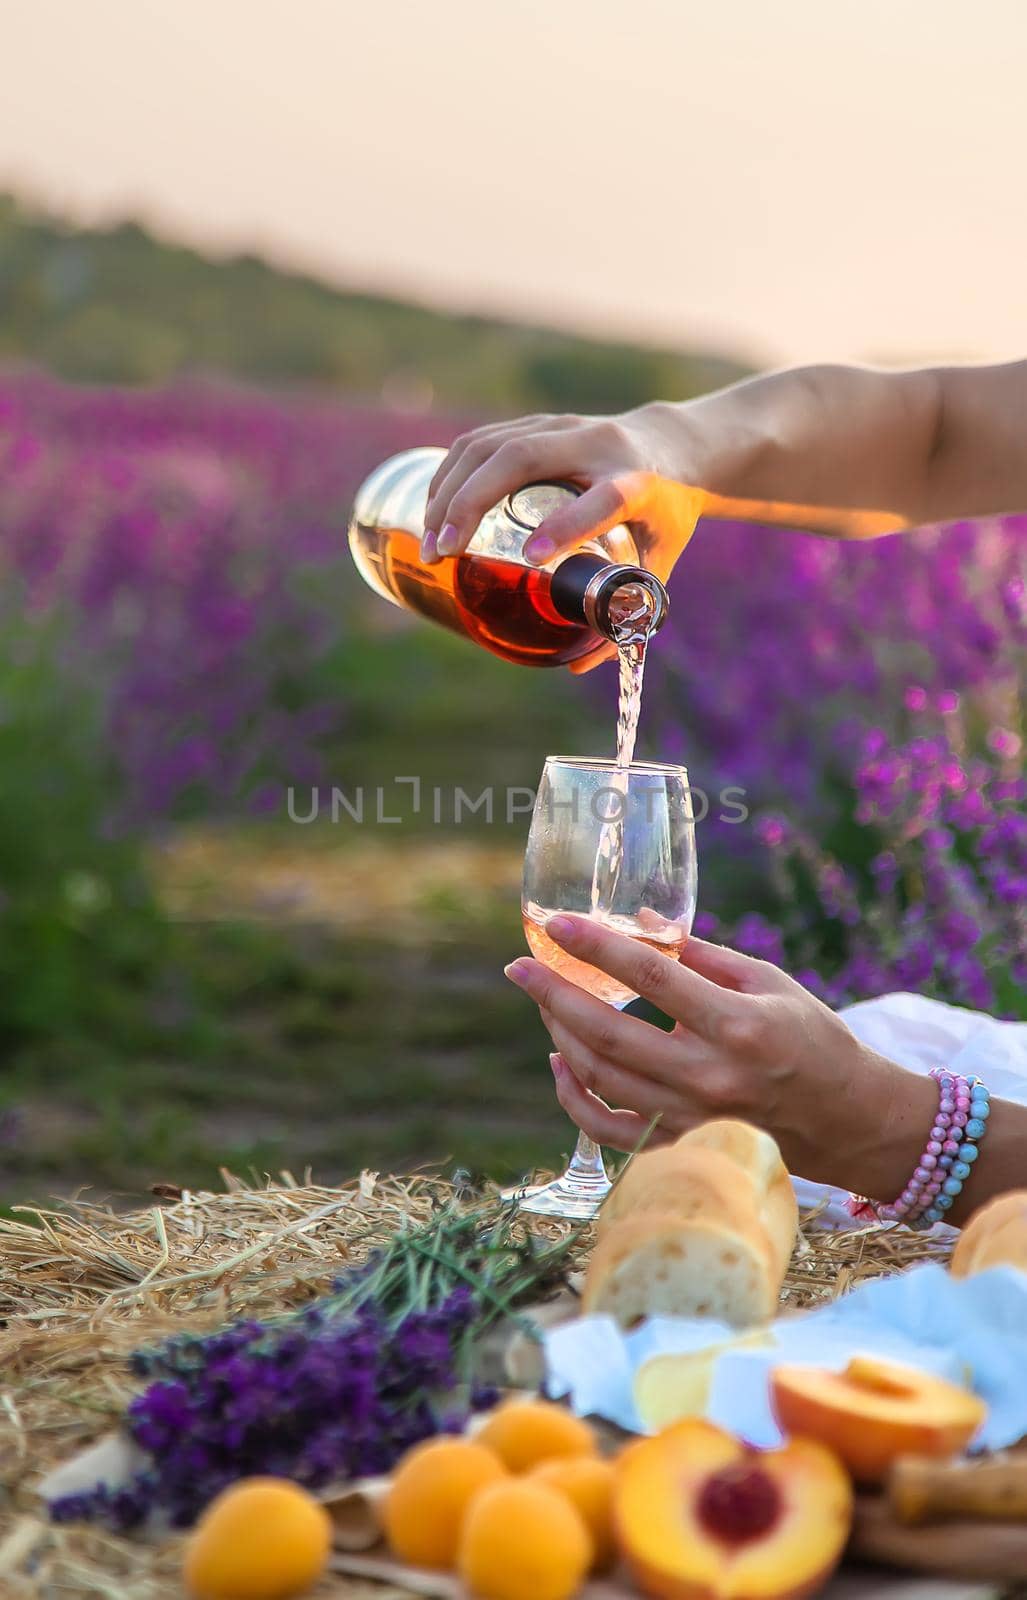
column 631, row 637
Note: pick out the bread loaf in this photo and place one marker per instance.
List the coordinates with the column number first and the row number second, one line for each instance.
column 996, row 1235
column 757, row 1154
column 659, row 1266
column 703, row 1227
column 685, row 1183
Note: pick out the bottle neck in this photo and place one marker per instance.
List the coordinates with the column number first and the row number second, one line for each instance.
column 608, row 597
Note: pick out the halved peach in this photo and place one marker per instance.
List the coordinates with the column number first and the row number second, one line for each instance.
column 875, row 1411
column 702, row 1516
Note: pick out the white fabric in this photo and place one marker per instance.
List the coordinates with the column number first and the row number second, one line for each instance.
column 920, row 1034
column 972, row 1330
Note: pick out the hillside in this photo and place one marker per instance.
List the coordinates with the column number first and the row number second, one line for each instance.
column 119, row 305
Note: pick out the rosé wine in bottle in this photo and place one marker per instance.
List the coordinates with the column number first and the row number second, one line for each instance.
column 535, row 616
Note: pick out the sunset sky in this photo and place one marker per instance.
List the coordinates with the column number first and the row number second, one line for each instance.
column 781, row 179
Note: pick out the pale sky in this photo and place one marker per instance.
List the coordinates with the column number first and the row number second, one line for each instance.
column 784, row 179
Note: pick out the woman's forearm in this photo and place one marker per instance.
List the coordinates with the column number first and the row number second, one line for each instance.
column 924, row 445
column 844, row 451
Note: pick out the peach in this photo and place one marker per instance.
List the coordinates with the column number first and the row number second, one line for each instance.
column 702, row 1516
column 588, row 1482
column 525, row 1432
column 429, row 1495
column 522, row 1540
column 875, row 1411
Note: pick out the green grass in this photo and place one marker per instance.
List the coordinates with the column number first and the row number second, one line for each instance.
column 316, row 1049
column 426, row 703
column 256, row 1045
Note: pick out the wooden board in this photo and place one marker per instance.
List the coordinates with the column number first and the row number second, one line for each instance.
column 992, row 1550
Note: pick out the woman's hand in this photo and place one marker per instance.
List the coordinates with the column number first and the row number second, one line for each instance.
column 630, row 468
column 748, row 1042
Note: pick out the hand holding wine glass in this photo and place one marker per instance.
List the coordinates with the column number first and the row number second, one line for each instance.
column 616, row 843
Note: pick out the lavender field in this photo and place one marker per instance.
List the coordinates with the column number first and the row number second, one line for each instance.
column 187, row 978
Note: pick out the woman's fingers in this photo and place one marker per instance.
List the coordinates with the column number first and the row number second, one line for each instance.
column 467, row 454
column 680, row 992
column 612, row 1036
column 730, row 969
column 611, row 1082
column 621, row 1130
column 488, row 430
column 612, row 461
column 596, row 511
column 490, row 470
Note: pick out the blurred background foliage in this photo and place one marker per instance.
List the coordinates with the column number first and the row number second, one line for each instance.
column 188, row 979
column 117, row 305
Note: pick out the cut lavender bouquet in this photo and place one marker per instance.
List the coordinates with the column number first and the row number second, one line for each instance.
column 336, row 1391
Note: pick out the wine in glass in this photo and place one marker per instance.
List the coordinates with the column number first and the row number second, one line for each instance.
column 617, row 843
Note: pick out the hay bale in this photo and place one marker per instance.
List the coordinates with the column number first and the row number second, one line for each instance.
column 82, row 1285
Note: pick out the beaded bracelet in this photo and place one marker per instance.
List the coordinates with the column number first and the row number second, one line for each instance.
column 954, row 1145
column 958, row 1163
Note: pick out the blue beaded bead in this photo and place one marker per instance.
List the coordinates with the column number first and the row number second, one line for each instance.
column 945, row 1162
column 932, row 1214
column 974, row 1128
column 979, row 1090
column 968, row 1152
column 943, row 1202
column 961, row 1170
column 980, row 1109
column 952, row 1186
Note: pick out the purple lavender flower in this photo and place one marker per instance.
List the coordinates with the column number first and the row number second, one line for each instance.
column 193, row 542
column 314, row 1399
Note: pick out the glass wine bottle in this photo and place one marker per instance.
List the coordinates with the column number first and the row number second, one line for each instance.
column 541, row 616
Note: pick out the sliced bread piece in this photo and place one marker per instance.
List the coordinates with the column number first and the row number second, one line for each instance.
column 757, row 1153
column 655, row 1265
column 684, row 1182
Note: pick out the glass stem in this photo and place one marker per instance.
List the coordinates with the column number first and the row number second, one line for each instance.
column 586, row 1163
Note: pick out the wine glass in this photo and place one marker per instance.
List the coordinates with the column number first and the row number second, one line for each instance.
column 616, row 843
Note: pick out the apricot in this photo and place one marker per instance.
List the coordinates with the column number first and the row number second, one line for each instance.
column 523, row 1540
column 260, row 1539
column 702, row 1516
column 429, row 1495
column 587, row 1481
column 524, row 1433
column 875, row 1411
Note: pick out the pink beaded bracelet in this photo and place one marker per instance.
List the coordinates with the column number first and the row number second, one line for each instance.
column 932, row 1170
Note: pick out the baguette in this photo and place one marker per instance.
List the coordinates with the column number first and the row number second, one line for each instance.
column 656, row 1265
column 757, row 1153
column 684, row 1183
column 703, row 1227
column 996, row 1235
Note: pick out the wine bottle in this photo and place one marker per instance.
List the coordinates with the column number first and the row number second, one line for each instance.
column 543, row 616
